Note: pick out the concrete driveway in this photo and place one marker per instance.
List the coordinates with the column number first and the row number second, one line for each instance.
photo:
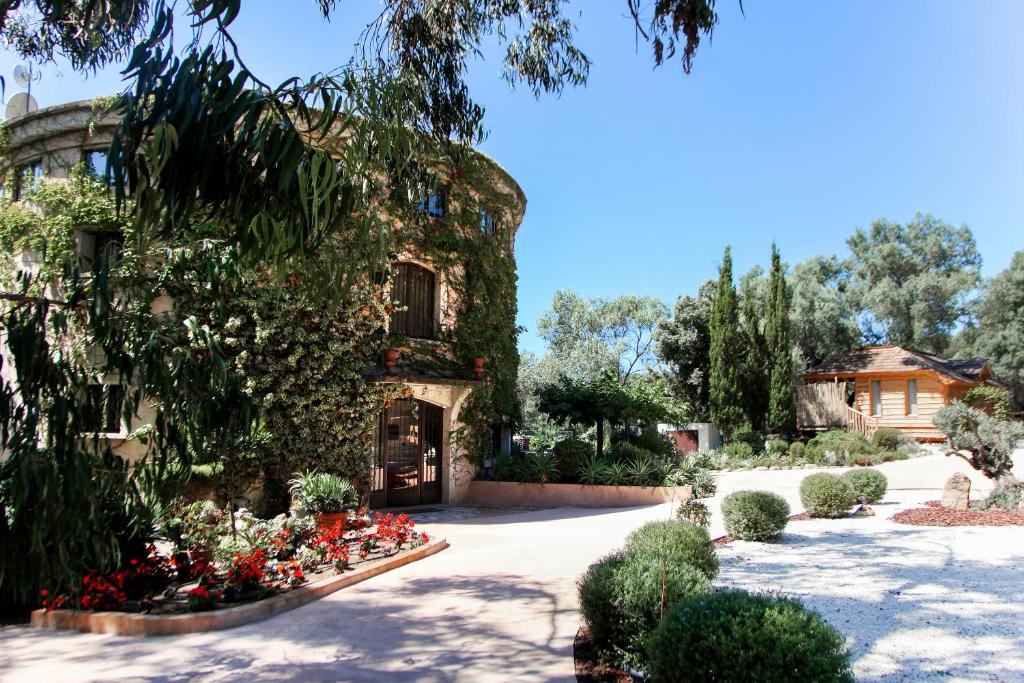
column 499, row 605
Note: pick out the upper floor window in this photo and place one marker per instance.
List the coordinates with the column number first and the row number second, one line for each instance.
column 27, row 179
column 412, row 289
column 488, row 223
column 95, row 161
column 434, row 204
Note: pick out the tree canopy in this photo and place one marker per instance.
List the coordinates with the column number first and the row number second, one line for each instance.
column 684, row 344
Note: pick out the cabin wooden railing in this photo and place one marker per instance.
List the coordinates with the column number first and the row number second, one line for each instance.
column 859, row 422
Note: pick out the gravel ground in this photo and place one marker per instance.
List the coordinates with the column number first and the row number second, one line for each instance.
column 915, row 603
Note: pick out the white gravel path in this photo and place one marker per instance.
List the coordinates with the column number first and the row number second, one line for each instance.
column 915, row 603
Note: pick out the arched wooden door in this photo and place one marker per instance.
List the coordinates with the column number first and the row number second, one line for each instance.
column 408, row 459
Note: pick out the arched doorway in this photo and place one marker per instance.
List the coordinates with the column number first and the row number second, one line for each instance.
column 408, row 457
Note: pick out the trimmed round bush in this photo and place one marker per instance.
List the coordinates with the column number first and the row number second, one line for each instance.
column 777, row 447
column 755, row 515
column 886, row 438
column 738, row 450
column 571, row 454
column 676, row 541
column 623, row 599
column 740, row 636
column 826, row 495
column 868, row 485
column 796, row 450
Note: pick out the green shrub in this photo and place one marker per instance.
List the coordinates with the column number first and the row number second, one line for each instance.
column 860, row 459
column 695, row 512
column 1006, row 497
column 738, row 451
column 703, row 484
column 841, row 442
column 755, row 515
column 826, row 495
column 869, row 486
column 593, row 471
column 994, row 401
column 659, row 444
column 796, row 450
column 625, row 452
column 887, row 438
column 571, row 454
column 623, row 598
column 753, row 439
column 737, row 636
column 777, row 447
column 675, row 541
column 644, row 470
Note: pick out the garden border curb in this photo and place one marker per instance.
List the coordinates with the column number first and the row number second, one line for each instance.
column 127, row 624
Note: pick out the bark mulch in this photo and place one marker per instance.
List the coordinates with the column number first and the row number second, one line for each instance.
column 589, row 668
column 936, row 515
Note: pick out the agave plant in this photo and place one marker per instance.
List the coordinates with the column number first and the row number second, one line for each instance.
column 642, row 470
column 703, row 485
column 322, row 493
column 543, row 469
column 593, row 471
column 616, row 474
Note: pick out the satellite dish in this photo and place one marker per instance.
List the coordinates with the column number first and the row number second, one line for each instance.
column 23, row 76
column 21, row 104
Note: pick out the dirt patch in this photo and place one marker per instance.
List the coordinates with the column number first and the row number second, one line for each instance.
column 936, row 515
column 589, row 669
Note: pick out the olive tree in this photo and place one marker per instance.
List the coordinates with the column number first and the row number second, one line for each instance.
column 984, row 442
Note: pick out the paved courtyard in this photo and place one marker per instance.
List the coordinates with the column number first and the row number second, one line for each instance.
column 500, row 605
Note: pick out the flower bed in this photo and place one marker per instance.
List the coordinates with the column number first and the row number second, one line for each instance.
column 936, row 515
column 271, row 559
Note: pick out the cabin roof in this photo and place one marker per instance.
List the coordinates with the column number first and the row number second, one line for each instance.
column 891, row 358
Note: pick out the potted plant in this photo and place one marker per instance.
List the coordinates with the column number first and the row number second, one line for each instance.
column 327, row 497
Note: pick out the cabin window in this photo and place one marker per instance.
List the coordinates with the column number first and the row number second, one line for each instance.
column 434, row 204
column 911, row 397
column 104, row 403
column 876, row 397
column 412, row 290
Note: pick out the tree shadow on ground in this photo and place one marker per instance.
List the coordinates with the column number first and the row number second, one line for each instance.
column 367, row 633
column 912, row 606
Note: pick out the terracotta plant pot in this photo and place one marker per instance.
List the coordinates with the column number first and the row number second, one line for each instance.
column 326, row 521
column 478, row 366
column 390, row 359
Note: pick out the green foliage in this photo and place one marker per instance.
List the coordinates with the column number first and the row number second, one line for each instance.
column 984, row 442
column 999, row 335
column 781, row 393
column 992, row 400
column 694, row 512
column 869, row 486
column 674, row 541
column 626, row 451
column 594, row 471
column 914, row 281
column 1005, row 497
column 826, row 495
column 737, row 636
column 755, row 515
column 738, row 450
column 725, row 391
column 823, row 316
column 777, row 447
column 321, row 492
column 542, row 468
column 887, row 438
column 839, row 441
column 703, row 484
column 623, row 598
column 753, row 357
column 796, row 450
column 684, row 344
column 752, row 438
column 571, row 455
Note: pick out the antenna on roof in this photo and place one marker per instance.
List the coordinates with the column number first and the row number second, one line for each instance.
column 23, row 102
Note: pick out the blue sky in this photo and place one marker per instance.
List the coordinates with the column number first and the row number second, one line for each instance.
column 800, row 122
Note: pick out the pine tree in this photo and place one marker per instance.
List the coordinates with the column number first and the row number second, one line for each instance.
column 726, row 365
column 756, row 367
column 781, row 401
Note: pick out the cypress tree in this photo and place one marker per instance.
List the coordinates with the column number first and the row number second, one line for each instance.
column 726, row 364
column 781, row 400
column 756, row 366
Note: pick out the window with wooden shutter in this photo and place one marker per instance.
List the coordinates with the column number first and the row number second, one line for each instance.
column 412, row 289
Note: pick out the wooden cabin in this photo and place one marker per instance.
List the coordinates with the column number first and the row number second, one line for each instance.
column 886, row 386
